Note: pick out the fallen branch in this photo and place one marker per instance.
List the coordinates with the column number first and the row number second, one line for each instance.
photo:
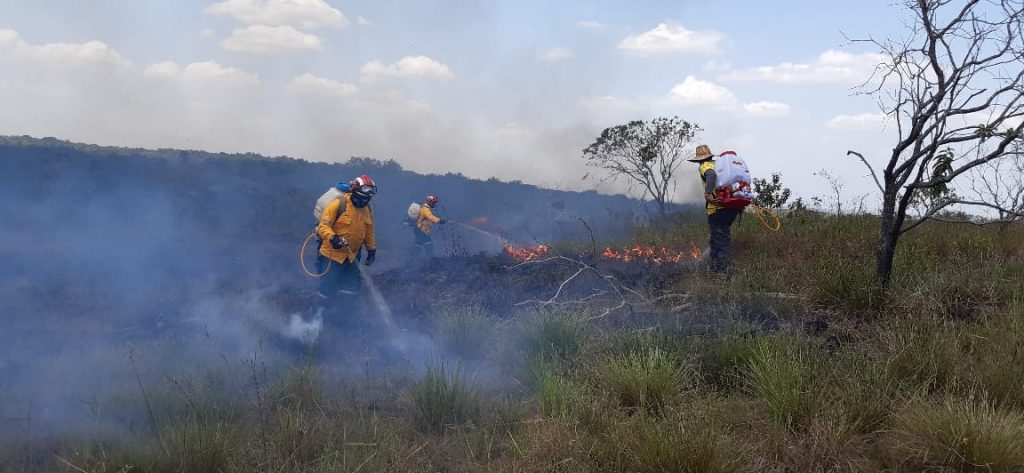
column 623, row 293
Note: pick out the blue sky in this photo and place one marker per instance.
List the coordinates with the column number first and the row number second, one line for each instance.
column 486, row 88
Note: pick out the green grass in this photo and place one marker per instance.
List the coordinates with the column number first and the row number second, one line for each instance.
column 961, row 434
column 466, row 331
column 554, row 335
column 644, row 379
column 444, row 399
column 559, row 395
column 781, row 375
column 682, row 447
column 724, row 359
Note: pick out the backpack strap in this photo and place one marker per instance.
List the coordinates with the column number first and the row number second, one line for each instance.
column 342, row 207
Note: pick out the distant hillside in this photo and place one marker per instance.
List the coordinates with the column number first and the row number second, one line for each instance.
column 99, row 205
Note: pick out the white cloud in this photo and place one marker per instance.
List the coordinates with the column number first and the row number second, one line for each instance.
column 418, row 67
column 202, row 72
column 590, row 24
column 363, row 21
column 302, row 13
column 766, row 109
column 672, row 39
column 829, row 67
column 859, row 122
column 311, row 84
column 557, row 54
column 265, row 39
column 9, row 38
column 211, row 71
column 65, row 55
column 696, row 92
column 163, row 69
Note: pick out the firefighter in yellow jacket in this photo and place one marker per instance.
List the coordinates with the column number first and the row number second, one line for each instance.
column 346, row 226
column 720, row 219
column 424, row 223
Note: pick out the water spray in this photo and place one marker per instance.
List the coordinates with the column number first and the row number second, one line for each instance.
column 383, row 309
column 378, row 299
column 504, row 241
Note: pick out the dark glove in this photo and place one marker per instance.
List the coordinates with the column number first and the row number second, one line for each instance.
column 338, row 242
column 443, row 221
column 371, row 256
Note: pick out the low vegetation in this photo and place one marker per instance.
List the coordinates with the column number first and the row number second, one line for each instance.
column 790, row 364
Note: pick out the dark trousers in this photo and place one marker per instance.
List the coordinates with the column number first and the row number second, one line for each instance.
column 720, row 226
column 339, row 288
column 424, row 245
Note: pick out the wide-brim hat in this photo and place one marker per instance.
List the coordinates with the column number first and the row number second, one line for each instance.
column 703, row 153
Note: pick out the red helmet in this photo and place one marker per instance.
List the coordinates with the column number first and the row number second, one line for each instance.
column 363, row 189
column 364, row 184
column 431, row 200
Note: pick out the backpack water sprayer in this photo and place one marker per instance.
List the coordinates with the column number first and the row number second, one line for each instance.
column 733, row 184
column 330, row 195
column 734, row 191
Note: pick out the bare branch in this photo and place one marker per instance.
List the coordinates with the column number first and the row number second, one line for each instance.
column 870, row 168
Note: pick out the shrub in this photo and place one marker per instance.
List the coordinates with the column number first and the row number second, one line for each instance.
column 443, row 398
column 962, row 434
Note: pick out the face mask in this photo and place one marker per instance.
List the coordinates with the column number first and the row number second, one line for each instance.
column 360, row 200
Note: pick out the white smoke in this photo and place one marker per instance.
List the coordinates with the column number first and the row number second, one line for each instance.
column 302, row 330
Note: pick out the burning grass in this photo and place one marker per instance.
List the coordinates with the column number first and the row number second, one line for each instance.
column 525, row 254
column 651, row 254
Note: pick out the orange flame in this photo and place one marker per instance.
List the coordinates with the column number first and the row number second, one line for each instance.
column 478, row 221
column 527, row 253
column 652, row 254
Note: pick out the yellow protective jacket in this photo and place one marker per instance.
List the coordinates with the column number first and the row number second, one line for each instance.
column 427, row 219
column 355, row 225
column 706, row 166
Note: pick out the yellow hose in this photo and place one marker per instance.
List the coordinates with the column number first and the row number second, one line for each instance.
column 763, row 214
column 302, row 261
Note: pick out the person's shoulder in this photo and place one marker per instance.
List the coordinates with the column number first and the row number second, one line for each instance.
column 707, row 166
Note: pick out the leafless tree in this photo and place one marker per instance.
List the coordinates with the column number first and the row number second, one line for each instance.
column 953, row 89
column 1001, row 182
column 646, row 153
column 837, row 186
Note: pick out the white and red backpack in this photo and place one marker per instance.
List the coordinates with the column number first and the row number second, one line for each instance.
column 732, row 184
